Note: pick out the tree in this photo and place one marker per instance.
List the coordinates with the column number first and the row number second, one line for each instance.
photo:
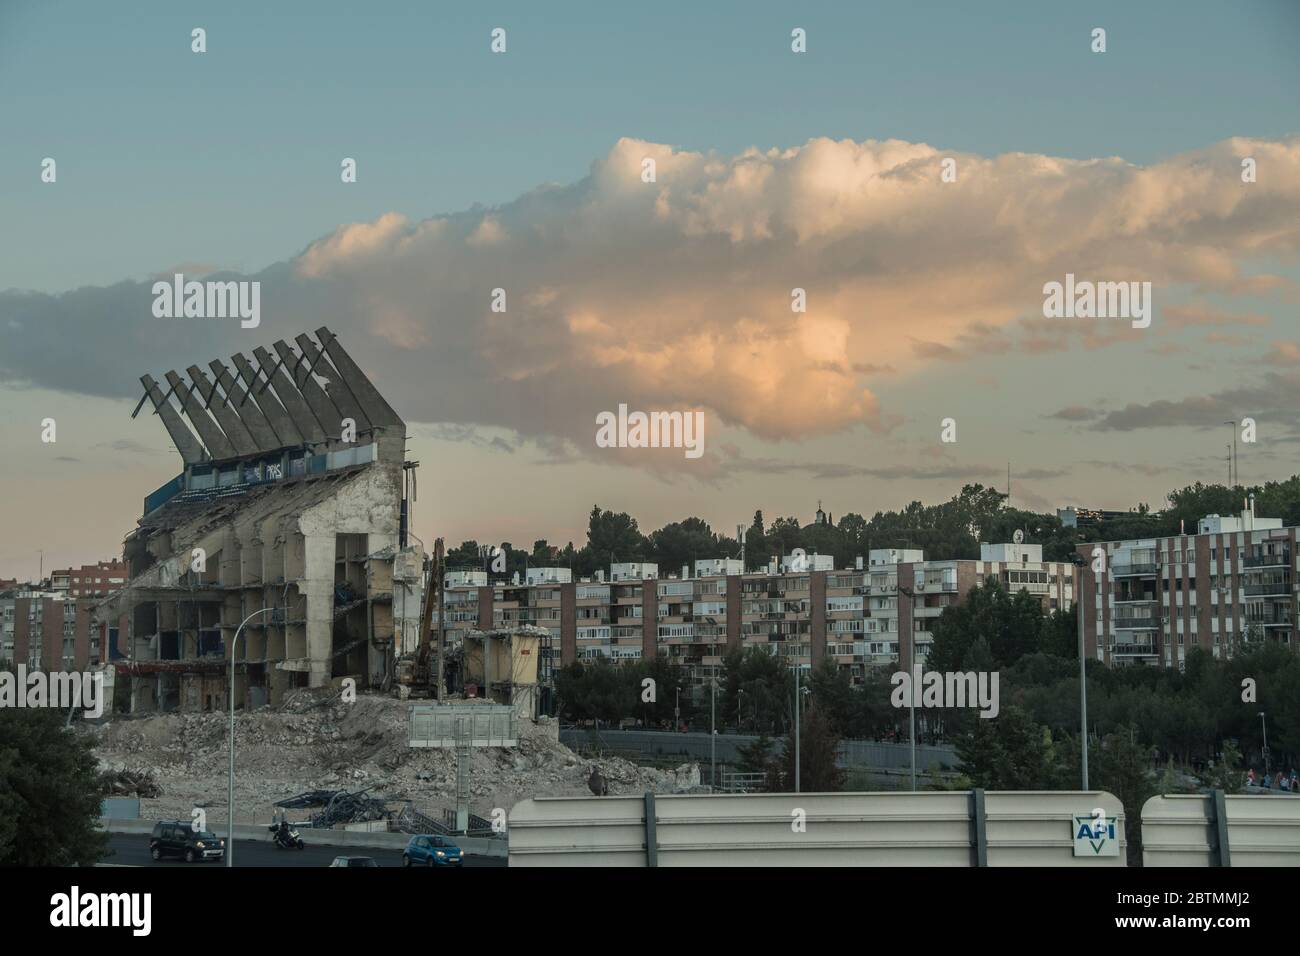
column 682, row 543
column 756, row 757
column 465, row 555
column 1123, row 768
column 819, row 747
column 1012, row 626
column 613, row 537
column 1017, row 754
column 1225, row 774
column 757, row 688
column 50, row 792
column 833, row 692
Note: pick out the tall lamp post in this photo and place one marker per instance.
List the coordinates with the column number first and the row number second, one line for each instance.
column 911, row 660
column 1078, row 560
column 713, row 732
column 230, row 824
column 1263, row 726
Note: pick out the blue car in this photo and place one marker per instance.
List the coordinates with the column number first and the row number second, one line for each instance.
column 432, row 851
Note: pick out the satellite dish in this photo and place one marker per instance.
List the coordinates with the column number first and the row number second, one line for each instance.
column 1018, row 537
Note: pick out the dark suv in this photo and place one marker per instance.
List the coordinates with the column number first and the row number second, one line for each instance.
column 177, row 838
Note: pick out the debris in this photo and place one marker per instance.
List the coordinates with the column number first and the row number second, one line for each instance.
column 313, row 747
column 129, row 783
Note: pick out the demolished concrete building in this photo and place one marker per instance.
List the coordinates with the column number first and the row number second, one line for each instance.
column 291, row 514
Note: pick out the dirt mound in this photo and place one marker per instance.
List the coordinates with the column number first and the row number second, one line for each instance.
column 316, row 741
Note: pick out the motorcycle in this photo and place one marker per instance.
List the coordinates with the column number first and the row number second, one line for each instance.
column 285, row 841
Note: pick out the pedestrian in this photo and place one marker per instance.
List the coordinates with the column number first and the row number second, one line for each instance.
column 1250, row 777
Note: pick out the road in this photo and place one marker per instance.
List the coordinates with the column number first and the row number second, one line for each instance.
column 132, row 849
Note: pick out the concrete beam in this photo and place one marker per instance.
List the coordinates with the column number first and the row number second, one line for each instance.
column 326, row 412
column 214, row 438
column 269, row 403
column 229, row 420
column 335, row 387
column 377, row 409
column 191, row 449
column 299, row 411
column 249, row 411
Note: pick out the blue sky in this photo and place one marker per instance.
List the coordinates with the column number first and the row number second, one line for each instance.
column 1122, row 165
column 231, row 158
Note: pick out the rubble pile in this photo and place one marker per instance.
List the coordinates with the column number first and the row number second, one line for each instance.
column 316, row 742
column 119, row 781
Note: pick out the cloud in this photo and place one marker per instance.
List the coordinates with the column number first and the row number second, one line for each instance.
column 1076, row 413
column 1272, row 399
column 676, row 294
column 1196, row 314
column 1284, row 353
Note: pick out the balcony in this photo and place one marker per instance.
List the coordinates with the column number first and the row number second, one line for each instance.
column 1134, row 650
column 1136, row 622
column 1133, row 570
column 1282, row 560
column 1264, row 590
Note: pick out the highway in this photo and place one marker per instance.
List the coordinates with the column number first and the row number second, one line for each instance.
column 130, row 849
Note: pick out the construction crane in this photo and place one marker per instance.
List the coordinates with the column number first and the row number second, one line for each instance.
column 418, row 674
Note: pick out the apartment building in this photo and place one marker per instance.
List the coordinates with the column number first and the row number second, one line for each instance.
column 800, row 608
column 90, row 580
column 1148, row 601
column 48, row 629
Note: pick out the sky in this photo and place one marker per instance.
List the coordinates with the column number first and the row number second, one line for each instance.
column 774, row 171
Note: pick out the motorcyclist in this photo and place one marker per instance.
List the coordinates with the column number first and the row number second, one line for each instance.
column 282, row 835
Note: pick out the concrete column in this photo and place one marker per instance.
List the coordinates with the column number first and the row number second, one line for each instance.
column 337, row 387
column 325, row 411
column 250, row 414
column 304, row 420
column 217, row 443
column 229, row 420
column 190, row 448
column 279, row 420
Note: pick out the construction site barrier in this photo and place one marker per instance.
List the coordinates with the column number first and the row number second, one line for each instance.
column 1215, row 829
column 942, row 828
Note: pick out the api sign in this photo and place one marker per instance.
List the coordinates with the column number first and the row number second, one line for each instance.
column 1095, row 836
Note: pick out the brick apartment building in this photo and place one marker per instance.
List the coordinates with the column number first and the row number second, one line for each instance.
column 90, row 580
column 800, row 608
column 47, row 628
column 1230, row 582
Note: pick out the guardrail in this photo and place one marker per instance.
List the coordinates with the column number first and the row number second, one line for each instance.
column 1220, row 830
column 954, row 828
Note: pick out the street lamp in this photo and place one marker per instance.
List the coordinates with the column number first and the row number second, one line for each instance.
column 1263, row 724
column 911, row 660
column 713, row 732
column 230, row 824
column 1078, row 560
column 740, row 719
